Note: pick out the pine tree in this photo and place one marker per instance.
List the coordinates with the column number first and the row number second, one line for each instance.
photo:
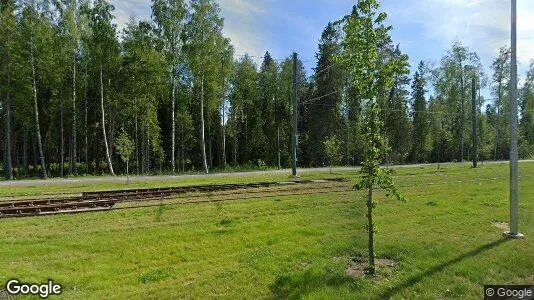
column 420, row 117
column 244, row 92
column 325, row 118
column 203, row 46
column 265, row 108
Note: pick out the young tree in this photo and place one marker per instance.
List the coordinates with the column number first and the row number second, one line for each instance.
column 332, row 149
column 125, row 147
column 369, row 75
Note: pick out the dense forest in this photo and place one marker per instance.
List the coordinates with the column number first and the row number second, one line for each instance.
column 71, row 85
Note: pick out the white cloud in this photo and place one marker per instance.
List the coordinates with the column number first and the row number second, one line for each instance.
column 240, row 18
column 125, row 9
column 483, row 25
column 242, row 7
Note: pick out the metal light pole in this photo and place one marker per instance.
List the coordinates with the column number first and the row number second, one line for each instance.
column 514, row 176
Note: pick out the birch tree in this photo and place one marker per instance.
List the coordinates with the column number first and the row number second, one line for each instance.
column 104, row 51
column 169, row 16
column 203, row 33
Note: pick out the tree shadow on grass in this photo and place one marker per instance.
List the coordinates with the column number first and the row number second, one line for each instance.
column 297, row 285
column 436, row 269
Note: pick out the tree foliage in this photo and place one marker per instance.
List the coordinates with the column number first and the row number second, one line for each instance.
column 70, row 82
column 370, row 75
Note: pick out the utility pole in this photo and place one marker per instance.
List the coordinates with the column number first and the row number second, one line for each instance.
column 295, row 119
column 514, row 176
column 474, row 122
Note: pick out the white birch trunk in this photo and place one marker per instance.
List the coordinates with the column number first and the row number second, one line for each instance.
column 103, row 123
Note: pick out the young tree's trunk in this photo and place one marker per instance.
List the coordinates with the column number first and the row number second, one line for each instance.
column 36, row 111
column 202, row 134
column 370, row 230
column 7, row 136
column 62, row 141
column 173, row 95
column 72, row 161
column 127, row 174
column 108, row 157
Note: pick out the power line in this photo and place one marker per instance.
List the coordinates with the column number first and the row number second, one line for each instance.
column 309, row 102
column 273, row 58
column 317, row 73
column 318, row 98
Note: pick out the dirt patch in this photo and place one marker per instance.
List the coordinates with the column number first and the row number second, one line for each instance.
column 385, row 262
column 358, row 268
column 502, row 225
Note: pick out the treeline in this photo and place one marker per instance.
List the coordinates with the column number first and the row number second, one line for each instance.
column 71, row 84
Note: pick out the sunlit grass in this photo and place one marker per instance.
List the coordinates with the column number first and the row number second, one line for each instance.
column 443, row 240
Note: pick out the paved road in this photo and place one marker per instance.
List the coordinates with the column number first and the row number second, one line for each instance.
column 91, row 180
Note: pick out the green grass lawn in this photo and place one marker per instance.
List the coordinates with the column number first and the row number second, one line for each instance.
column 443, row 241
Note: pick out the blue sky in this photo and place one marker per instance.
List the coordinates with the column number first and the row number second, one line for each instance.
column 425, row 29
